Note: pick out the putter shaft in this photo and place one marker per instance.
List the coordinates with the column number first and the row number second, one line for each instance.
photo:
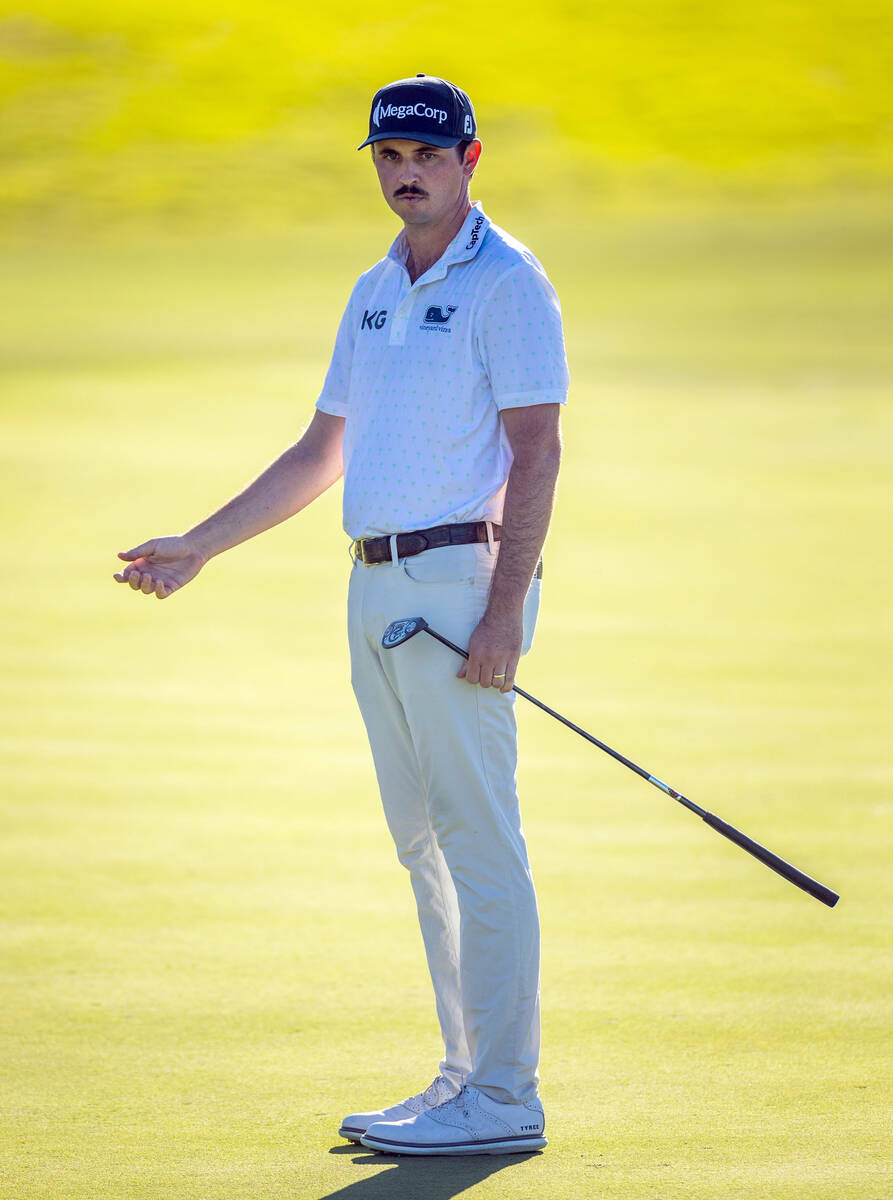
column 781, row 867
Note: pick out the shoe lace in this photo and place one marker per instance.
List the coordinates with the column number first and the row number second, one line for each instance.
column 459, row 1101
column 431, row 1094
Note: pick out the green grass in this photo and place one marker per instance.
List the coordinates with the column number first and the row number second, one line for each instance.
column 210, row 954
column 196, row 112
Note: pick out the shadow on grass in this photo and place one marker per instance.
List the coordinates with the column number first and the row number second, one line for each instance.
column 409, row 1178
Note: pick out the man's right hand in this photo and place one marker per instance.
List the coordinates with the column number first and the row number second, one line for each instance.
column 160, row 566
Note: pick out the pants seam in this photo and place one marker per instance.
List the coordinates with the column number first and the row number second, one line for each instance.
column 516, row 930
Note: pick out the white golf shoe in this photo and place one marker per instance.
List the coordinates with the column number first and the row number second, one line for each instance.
column 470, row 1123
column 354, row 1126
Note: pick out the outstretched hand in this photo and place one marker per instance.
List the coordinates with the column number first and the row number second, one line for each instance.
column 160, row 566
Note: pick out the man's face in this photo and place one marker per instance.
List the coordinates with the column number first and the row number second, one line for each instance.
column 422, row 183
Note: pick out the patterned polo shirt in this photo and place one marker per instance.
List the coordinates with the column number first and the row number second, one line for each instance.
column 422, row 371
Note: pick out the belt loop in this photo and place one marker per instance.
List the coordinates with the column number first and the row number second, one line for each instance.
column 393, row 541
column 489, row 525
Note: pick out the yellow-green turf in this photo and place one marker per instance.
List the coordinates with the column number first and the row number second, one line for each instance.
column 198, row 111
column 210, row 954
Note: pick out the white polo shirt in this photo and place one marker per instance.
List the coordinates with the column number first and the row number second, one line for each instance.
column 421, row 372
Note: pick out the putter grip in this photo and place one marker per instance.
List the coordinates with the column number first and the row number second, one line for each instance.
column 785, row 869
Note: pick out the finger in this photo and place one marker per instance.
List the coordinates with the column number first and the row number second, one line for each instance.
column 135, row 580
column 127, row 574
column 492, row 678
column 511, row 667
column 163, row 590
column 148, row 585
column 460, row 674
column 146, row 548
column 472, row 671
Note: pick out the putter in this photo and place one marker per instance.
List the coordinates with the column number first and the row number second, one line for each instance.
column 399, row 632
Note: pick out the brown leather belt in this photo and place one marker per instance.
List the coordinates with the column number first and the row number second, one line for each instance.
column 370, row 551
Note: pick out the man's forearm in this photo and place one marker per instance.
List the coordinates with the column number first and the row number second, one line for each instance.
column 529, row 498
column 289, row 484
column 496, row 641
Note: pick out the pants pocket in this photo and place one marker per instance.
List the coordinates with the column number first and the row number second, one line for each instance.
column 531, row 612
column 446, row 564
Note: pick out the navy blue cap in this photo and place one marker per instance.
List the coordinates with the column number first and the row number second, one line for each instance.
column 423, row 109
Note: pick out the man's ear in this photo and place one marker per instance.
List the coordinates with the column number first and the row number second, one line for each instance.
column 472, row 155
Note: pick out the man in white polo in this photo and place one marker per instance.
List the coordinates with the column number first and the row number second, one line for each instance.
column 441, row 407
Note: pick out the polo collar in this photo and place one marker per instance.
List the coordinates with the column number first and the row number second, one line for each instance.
column 462, row 248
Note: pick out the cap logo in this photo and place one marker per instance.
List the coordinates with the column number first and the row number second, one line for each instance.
column 469, row 126
column 400, row 112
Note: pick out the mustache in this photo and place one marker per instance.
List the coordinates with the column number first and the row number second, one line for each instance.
column 409, row 191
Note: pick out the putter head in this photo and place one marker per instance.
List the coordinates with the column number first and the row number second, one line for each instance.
column 401, row 631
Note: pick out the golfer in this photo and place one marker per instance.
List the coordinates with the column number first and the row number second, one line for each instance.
column 441, row 410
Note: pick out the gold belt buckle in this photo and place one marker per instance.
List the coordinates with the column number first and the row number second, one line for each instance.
column 360, row 550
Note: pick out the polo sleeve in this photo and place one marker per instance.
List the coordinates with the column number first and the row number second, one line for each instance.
column 333, row 398
column 521, row 342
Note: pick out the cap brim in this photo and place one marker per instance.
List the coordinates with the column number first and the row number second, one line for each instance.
column 429, row 139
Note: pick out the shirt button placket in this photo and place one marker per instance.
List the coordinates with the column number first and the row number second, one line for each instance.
column 400, row 322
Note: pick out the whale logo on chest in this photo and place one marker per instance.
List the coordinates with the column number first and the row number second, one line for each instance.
column 436, row 316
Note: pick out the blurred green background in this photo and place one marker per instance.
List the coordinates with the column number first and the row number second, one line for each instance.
column 209, row 954
column 225, row 112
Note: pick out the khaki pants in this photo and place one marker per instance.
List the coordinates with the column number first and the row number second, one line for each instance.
column 445, row 755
